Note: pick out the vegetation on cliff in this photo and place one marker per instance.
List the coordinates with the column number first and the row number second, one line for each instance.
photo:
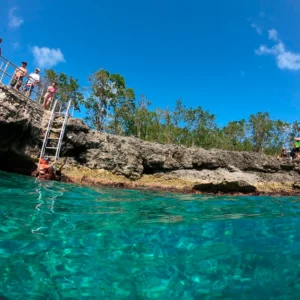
column 114, row 108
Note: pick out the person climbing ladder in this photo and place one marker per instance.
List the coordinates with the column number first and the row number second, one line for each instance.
column 46, row 170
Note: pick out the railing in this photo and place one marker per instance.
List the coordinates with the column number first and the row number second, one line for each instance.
column 7, row 74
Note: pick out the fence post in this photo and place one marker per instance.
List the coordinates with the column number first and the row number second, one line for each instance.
column 4, row 71
column 41, row 95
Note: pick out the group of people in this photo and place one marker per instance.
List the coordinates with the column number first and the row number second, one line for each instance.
column 294, row 153
column 33, row 80
column 19, row 75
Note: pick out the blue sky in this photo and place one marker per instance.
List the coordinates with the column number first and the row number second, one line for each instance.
column 233, row 58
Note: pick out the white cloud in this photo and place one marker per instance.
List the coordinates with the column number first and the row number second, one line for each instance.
column 45, row 57
column 284, row 59
column 13, row 20
column 273, row 35
column 257, row 28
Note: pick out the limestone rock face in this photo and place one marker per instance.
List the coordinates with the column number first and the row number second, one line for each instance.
column 23, row 123
column 21, row 128
column 133, row 157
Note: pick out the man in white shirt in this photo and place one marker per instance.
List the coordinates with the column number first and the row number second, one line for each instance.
column 34, row 78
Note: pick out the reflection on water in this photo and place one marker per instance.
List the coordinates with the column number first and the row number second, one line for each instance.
column 60, row 241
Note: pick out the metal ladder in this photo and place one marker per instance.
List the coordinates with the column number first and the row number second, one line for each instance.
column 55, row 142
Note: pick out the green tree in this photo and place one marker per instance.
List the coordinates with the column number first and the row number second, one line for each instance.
column 204, row 128
column 260, row 126
column 122, row 112
column 280, row 134
column 142, row 117
column 235, row 136
column 113, row 107
column 109, row 97
column 178, row 116
column 164, row 117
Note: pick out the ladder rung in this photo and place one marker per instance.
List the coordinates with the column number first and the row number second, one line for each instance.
column 60, row 118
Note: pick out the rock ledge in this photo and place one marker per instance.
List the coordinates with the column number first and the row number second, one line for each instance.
column 135, row 163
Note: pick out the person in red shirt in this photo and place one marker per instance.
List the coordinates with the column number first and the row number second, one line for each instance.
column 45, row 170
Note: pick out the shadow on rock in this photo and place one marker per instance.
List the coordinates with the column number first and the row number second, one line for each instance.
column 226, row 187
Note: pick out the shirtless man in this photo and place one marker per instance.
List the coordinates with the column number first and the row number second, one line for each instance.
column 18, row 76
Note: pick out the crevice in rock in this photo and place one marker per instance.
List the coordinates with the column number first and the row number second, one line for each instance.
column 78, row 153
column 16, row 163
column 154, row 168
column 226, row 187
column 206, row 166
column 150, row 171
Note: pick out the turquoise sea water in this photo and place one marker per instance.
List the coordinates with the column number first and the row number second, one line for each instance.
column 61, row 241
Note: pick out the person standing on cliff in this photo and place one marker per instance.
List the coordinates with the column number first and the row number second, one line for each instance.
column 34, row 78
column 18, row 76
column 48, row 97
column 295, row 151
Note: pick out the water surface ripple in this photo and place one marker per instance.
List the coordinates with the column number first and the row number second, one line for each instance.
column 61, row 241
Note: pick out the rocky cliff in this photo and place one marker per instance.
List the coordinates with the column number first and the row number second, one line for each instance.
column 96, row 158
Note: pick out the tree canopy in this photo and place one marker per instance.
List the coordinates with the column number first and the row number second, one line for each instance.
column 110, row 104
column 112, row 107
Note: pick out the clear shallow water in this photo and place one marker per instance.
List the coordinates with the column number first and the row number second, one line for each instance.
column 60, row 241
